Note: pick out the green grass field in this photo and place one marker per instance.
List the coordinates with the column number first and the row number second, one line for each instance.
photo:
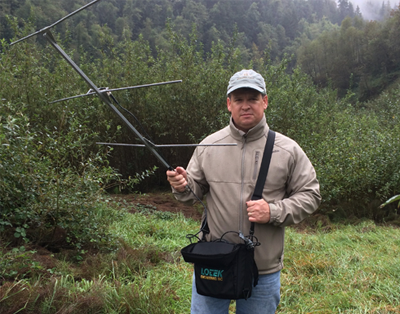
column 334, row 268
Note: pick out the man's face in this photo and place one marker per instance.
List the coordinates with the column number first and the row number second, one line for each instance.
column 247, row 107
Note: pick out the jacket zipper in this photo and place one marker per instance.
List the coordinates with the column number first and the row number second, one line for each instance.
column 242, row 184
column 256, row 161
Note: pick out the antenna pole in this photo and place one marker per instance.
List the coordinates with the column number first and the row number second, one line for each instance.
column 49, row 37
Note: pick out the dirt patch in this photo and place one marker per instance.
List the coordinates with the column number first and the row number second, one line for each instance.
column 165, row 202
column 162, row 201
column 313, row 223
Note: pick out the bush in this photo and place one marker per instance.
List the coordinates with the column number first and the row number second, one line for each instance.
column 51, row 182
column 352, row 146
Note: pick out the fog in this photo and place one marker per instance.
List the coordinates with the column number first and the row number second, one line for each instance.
column 372, row 9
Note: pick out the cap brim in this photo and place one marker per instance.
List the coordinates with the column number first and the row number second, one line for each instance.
column 257, row 88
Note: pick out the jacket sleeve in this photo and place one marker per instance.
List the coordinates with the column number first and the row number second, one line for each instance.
column 302, row 192
column 196, row 181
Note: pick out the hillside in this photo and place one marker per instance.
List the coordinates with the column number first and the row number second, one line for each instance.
column 258, row 25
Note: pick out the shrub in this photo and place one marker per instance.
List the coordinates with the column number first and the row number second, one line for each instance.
column 51, row 182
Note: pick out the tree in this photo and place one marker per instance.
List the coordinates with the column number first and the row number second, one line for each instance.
column 107, row 14
column 393, row 26
column 346, row 9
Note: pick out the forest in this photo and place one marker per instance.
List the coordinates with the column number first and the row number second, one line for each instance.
column 332, row 42
column 331, row 77
column 333, row 85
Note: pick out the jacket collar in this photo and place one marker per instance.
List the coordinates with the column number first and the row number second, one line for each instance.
column 251, row 135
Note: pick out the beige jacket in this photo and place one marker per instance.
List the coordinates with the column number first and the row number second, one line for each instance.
column 227, row 175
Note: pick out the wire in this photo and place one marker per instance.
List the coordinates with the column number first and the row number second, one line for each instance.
column 131, row 114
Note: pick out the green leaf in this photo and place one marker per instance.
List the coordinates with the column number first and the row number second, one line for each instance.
column 391, row 200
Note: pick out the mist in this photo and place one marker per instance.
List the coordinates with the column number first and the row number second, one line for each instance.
column 374, row 9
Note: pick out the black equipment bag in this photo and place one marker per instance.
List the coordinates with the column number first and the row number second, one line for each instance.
column 222, row 270
column 227, row 270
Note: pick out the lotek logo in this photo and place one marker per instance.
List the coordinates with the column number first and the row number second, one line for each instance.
column 211, row 274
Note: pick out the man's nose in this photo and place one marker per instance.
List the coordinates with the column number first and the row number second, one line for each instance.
column 246, row 105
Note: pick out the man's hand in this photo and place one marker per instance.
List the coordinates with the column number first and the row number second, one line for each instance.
column 177, row 179
column 258, row 211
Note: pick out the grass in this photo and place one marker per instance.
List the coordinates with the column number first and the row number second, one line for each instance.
column 340, row 269
column 350, row 269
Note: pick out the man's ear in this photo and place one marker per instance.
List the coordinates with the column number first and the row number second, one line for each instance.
column 265, row 99
column 228, row 104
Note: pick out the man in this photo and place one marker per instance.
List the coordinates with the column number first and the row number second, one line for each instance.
column 227, row 175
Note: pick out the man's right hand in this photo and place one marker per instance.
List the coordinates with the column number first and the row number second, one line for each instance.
column 177, row 179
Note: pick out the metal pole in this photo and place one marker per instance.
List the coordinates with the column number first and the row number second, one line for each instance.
column 167, row 145
column 104, row 98
column 116, row 89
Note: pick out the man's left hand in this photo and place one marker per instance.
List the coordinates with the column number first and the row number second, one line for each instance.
column 258, row 211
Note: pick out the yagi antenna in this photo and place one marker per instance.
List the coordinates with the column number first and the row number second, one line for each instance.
column 105, row 93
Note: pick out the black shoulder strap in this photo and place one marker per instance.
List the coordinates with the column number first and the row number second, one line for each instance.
column 262, row 175
column 266, row 160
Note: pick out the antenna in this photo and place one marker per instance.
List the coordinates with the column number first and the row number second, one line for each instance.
column 104, row 93
column 107, row 90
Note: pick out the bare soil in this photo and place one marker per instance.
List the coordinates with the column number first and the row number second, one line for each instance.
column 162, row 201
column 165, row 201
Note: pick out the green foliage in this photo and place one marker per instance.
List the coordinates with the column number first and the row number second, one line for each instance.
column 18, row 262
column 391, row 200
column 358, row 165
column 362, row 56
column 51, row 182
column 265, row 24
column 350, row 145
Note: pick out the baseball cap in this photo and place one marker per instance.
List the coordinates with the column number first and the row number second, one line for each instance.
column 247, row 79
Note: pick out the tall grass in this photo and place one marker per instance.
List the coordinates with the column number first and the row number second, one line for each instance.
column 328, row 269
column 349, row 269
